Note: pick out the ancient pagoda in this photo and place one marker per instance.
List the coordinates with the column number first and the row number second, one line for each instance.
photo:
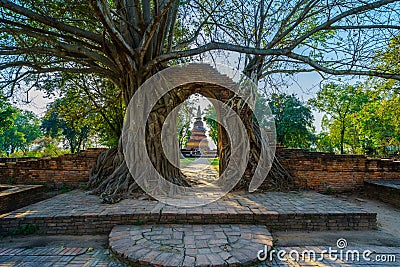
column 198, row 139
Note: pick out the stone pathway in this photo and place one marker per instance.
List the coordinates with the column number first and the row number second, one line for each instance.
column 73, row 257
column 229, row 228
column 379, row 256
column 201, row 172
column 189, row 245
column 78, row 213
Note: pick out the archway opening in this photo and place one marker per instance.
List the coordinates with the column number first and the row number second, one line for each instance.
column 197, row 131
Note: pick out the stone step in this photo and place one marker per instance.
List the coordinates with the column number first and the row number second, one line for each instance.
column 189, row 245
column 76, row 212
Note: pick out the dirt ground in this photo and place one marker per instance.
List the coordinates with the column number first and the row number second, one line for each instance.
column 387, row 234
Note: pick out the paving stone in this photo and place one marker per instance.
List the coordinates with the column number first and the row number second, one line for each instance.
column 278, row 210
column 79, row 257
column 184, row 249
column 230, row 236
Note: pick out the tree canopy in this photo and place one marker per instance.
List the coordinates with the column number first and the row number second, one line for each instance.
column 127, row 41
column 368, row 121
column 340, row 101
column 62, row 120
column 7, row 115
column 293, row 120
column 19, row 136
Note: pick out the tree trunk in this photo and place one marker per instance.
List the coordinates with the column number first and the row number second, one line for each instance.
column 277, row 179
column 110, row 177
column 71, row 146
column 342, row 131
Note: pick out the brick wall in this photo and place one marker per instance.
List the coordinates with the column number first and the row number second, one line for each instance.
column 20, row 196
column 71, row 169
column 311, row 170
column 318, row 171
column 387, row 192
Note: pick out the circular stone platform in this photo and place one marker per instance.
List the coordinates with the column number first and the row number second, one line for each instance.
column 189, row 245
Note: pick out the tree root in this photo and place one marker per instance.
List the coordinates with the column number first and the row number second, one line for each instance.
column 278, row 179
column 110, row 178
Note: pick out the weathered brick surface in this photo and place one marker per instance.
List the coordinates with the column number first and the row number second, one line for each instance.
column 319, row 171
column 78, row 213
column 71, row 169
column 311, row 170
column 20, row 196
column 386, row 191
column 47, row 256
column 189, row 245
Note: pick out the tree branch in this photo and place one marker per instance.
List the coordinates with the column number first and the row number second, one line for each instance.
column 360, row 27
column 319, row 67
column 328, row 23
column 51, row 22
column 104, row 13
column 42, row 31
column 151, row 29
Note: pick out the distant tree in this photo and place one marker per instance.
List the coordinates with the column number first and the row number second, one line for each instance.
column 90, row 94
column 11, row 140
column 59, row 123
column 25, row 129
column 340, row 101
column 29, row 124
column 293, row 120
column 388, row 60
column 46, row 147
column 385, row 109
column 372, row 121
column 7, row 114
column 324, row 142
column 211, row 120
column 378, row 123
column 184, row 120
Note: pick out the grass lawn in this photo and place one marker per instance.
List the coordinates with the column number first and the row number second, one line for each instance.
column 215, row 163
column 186, row 161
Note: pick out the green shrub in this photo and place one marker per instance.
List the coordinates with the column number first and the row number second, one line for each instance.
column 26, row 229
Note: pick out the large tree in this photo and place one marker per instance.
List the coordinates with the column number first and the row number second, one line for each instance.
column 127, row 41
column 24, row 130
column 63, row 120
column 7, row 115
column 293, row 119
column 340, row 102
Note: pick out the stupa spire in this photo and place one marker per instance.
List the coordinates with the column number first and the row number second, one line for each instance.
column 198, row 112
column 198, row 139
